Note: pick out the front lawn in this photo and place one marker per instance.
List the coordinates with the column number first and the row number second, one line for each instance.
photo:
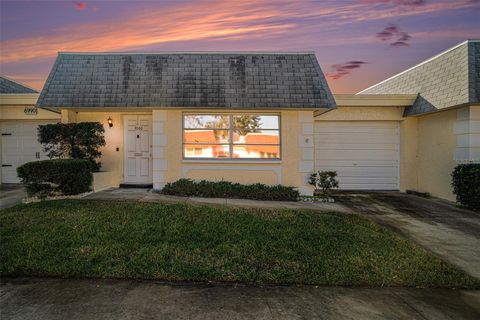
column 79, row 238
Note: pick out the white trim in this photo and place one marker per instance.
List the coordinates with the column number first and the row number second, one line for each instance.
column 420, row 64
column 233, row 161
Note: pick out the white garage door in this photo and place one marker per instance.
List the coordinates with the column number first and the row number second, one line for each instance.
column 19, row 145
column 365, row 154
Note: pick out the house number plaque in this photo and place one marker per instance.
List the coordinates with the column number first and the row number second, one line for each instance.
column 31, row 111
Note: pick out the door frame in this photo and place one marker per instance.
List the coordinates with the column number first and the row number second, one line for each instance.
column 125, row 150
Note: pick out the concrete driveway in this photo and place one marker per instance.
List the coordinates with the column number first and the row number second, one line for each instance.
column 440, row 226
column 11, row 194
column 118, row 299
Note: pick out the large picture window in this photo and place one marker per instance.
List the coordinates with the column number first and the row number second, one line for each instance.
column 234, row 136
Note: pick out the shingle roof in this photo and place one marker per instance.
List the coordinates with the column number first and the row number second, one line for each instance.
column 231, row 80
column 449, row 79
column 10, row 86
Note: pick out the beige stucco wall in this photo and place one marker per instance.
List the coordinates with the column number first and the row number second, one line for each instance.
column 12, row 107
column 287, row 171
column 427, row 147
column 169, row 166
column 112, row 160
column 436, row 148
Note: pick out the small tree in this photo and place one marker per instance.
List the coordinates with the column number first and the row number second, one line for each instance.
column 325, row 180
column 73, row 140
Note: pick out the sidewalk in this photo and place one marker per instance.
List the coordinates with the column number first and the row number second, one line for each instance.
column 145, row 195
column 122, row 299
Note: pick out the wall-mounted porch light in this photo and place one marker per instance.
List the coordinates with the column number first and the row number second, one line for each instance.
column 110, row 122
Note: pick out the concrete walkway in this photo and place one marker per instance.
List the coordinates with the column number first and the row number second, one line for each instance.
column 11, row 194
column 112, row 299
column 145, row 195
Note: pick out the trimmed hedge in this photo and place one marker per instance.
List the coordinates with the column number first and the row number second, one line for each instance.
column 226, row 189
column 466, row 184
column 56, row 177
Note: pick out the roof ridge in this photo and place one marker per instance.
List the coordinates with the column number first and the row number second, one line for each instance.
column 188, row 52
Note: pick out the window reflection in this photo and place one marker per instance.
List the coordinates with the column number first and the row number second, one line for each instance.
column 206, row 121
column 231, row 136
column 206, row 151
column 256, row 137
column 206, row 136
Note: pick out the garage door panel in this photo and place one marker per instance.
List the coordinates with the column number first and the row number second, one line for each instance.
column 336, row 138
column 355, row 154
column 357, row 130
column 355, row 163
column 371, row 186
column 355, row 172
column 365, row 154
column 19, row 146
column 359, row 146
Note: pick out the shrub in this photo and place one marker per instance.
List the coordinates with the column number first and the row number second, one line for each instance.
column 466, row 184
column 225, row 189
column 325, row 180
column 73, row 140
column 56, row 177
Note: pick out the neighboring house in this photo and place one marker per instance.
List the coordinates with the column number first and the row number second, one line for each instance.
column 270, row 118
column 445, row 117
column 19, row 119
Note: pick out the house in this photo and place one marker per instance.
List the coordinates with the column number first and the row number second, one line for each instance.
column 19, row 119
column 245, row 117
column 445, row 116
column 271, row 118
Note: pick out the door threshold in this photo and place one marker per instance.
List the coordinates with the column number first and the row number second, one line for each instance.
column 136, row 185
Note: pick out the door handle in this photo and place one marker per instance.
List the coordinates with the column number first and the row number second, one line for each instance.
column 6, row 165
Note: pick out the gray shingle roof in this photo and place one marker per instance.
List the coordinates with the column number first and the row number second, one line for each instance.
column 449, row 79
column 10, row 86
column 230, row 80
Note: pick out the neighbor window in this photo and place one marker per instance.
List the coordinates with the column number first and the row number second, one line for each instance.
column 234, row 136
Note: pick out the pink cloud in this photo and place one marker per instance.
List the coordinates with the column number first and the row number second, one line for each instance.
column 393, row 33
column 397, row 2
column 343, row 69
column 80, row 6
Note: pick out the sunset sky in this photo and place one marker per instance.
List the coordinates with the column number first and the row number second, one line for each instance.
column 357, row 42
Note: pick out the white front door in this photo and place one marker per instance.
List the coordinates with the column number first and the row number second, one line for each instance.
column 19, row 146
column 138, row 149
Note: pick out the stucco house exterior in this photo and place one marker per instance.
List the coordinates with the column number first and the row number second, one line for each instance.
column 19, row 119
column 445, row 116
column 270, row 118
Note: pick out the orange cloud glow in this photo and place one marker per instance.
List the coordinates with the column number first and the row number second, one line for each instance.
column 199, row 20
column 181, row 23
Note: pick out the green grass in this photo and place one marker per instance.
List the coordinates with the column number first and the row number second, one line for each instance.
column 79, row 238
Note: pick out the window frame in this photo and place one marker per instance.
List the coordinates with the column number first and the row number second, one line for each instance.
column 231, row 130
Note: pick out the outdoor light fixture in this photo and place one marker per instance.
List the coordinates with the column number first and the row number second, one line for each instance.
column 110, row 122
